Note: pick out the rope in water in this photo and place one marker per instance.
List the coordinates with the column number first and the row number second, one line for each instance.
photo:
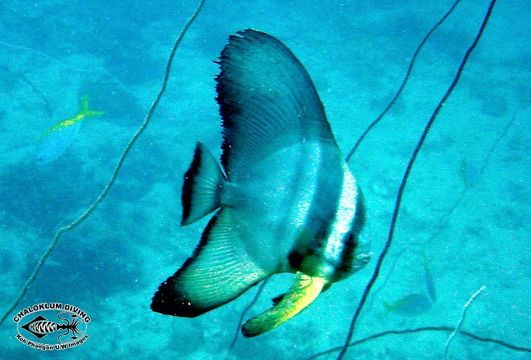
column 440, row 329
column 404, row 81
column 445, row 218
column 405, row 177
column 461, row 320
column 107, row 188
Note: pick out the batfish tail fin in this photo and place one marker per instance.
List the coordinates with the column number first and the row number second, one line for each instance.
column 218, row 271
column 302, row 293
column 85, row 110
column 202, row 186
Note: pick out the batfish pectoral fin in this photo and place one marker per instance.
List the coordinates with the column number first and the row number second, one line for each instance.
column 202, row 186
column 303, row 292
column 218, row 271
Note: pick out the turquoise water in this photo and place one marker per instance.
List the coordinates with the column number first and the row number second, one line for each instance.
column 464, row 214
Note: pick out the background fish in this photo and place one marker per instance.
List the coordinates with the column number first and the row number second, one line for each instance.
column 428, row 280
column 416, row 303
column 411, row 304
column 55, row 143
column 284, row 198
column 61, row 135
column 470, row 173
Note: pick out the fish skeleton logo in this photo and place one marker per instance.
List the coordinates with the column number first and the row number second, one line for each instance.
column 52, row 326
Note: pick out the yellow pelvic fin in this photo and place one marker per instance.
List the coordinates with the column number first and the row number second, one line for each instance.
column 303, row 292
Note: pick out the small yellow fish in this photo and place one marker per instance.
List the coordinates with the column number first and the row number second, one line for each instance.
column 83, row 113
column 58, row 138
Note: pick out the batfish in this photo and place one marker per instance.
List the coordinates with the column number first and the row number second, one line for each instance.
column 284, row 197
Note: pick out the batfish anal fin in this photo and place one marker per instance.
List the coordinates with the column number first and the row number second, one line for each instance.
column 218, row 271
column 267, row 100
column 303, row 292
column 202, row 186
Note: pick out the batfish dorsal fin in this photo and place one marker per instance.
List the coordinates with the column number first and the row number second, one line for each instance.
column 266, row 100
column 218, row 271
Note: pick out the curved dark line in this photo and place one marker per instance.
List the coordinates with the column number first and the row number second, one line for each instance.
column 404, row 81
column 498, row 140
column 405, row 179
column 47, row 106
column 43, row 97
column 443, row 329
column 444, row 219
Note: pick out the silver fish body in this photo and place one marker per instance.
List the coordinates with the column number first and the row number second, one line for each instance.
column 299, row 210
